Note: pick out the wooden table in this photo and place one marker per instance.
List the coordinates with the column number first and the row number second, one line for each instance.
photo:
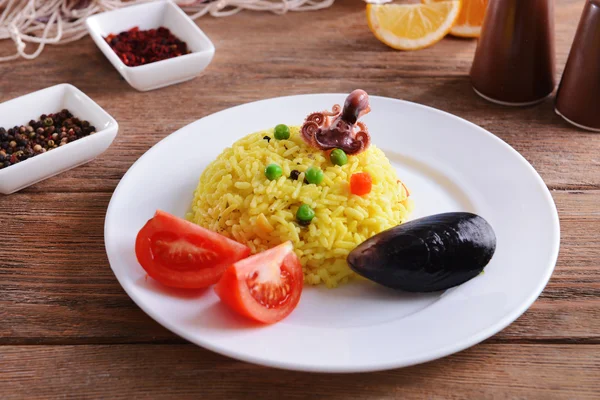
column 68, row 329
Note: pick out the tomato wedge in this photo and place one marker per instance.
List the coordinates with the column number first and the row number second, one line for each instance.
column 181, row 254
column 265, row 287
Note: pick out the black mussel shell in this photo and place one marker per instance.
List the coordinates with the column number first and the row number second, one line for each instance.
column 427, row 254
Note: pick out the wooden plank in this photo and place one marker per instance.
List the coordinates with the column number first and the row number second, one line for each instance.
column 61, row 289
column 565, row 158
column 342, row 29
column 489, row 371
column 67, row 329
column 343, row 56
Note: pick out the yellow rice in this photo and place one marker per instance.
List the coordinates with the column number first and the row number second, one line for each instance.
column 235, row 198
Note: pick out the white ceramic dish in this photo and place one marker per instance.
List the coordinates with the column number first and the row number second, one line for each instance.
column 21, row 110
column 448, row 164
column 148, row 16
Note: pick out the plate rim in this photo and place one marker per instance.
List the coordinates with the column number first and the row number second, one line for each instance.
column 469, row 341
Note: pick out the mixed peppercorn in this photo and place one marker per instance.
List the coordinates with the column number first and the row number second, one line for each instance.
column 360, row 183
column 138, row 47
column 49, row 132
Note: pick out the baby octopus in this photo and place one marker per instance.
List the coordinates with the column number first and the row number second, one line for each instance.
column 340, row 128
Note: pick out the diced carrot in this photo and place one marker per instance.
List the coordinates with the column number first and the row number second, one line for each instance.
column 361, row 183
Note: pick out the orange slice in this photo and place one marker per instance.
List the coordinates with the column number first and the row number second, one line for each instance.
column 412, row 26
column 470, row 18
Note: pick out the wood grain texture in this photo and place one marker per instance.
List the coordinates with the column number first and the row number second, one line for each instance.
column 490, row 371
column 272, row 61
column 68, row 330
column 53, row 294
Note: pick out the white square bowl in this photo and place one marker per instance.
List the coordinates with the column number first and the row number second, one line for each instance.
column 21, row 110
column 151, row 16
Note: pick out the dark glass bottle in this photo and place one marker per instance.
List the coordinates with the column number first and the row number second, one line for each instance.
column 514, row 62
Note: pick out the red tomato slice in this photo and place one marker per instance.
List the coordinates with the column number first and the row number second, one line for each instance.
column 181, row 254
column 265, row 287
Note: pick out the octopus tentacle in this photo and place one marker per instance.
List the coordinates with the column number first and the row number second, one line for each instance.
column 362, row 128
column 364, row 111
column 364, row 138
column 335, row 111
column 308, row 132
column 317, row 117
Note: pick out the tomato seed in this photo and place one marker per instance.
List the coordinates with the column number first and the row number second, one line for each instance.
column 270, row 295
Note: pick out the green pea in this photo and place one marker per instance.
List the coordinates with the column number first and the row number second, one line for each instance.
column 314, row 175
column 282, row 132
column 338, row 157
column 305, row 214
column 273, row 171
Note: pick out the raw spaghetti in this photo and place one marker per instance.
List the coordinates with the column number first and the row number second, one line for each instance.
column 42, row 22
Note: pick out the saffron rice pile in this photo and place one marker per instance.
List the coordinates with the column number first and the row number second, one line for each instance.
column 235, row 199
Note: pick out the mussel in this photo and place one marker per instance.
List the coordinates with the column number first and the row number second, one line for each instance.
column 428, row 254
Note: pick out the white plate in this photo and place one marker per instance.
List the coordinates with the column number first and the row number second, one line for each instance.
column 448, row 163
column 21, row 110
